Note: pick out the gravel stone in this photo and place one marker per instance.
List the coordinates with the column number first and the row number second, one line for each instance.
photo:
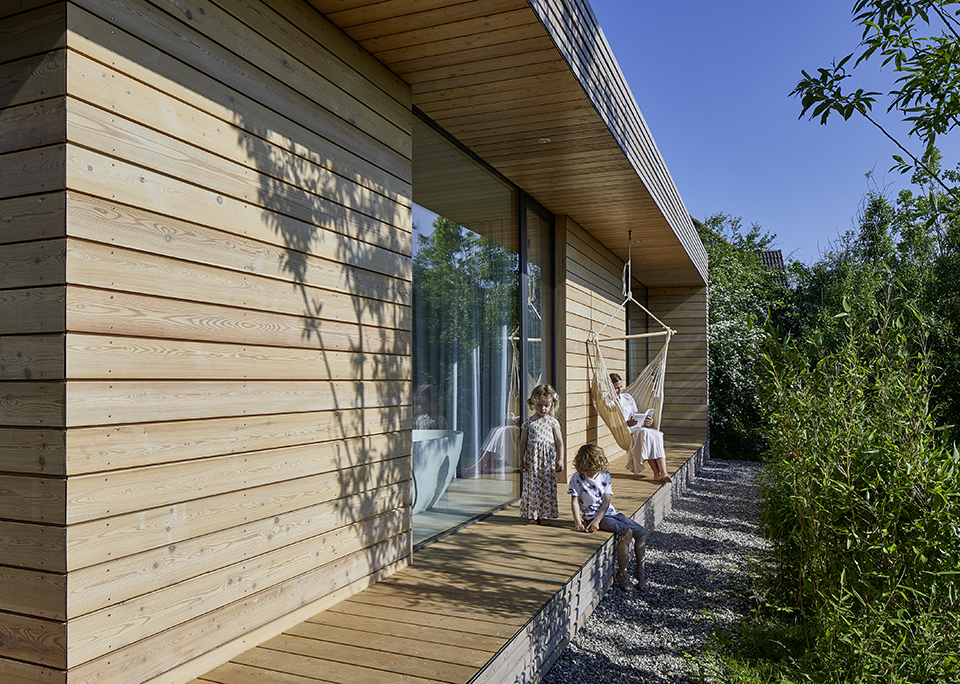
column 699, row 560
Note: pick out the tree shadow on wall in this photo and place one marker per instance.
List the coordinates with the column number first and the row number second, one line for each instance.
column 346, row 256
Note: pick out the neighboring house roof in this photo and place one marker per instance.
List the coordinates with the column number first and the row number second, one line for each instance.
column 500, row 75
column 772, row 259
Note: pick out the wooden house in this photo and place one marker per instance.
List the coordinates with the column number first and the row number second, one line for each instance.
column 275, row 279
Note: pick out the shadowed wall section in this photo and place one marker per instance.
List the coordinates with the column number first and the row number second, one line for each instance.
column 205, row 298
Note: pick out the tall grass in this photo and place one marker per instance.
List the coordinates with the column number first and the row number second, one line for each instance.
column 861, row 501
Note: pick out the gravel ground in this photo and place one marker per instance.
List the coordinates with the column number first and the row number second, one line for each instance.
column 697, row 559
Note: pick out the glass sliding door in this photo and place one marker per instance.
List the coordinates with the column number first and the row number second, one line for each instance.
column 466, row 336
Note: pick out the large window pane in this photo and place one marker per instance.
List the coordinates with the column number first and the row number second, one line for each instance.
column 466, row 327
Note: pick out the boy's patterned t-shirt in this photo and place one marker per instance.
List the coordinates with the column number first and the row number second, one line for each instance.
column 589, row 491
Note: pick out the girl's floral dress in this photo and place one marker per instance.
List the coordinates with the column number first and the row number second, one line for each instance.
column 539, row 497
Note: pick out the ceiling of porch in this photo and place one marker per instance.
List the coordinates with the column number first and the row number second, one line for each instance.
column 499, row 75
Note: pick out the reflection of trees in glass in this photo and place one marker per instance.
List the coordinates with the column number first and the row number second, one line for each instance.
column 535, row 343
column 465, row 304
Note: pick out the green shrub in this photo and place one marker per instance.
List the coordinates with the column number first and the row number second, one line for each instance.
column 861, row 501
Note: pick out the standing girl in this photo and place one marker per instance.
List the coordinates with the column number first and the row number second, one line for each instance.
column 541, row 449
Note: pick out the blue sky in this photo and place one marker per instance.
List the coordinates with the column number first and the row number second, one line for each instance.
column 713, row 81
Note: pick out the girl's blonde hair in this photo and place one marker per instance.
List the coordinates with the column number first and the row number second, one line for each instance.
column 590, row 459
column 544, row 392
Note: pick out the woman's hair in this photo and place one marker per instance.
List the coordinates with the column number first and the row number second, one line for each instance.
column 544, row 392
column 615, row 378
column 590, row 459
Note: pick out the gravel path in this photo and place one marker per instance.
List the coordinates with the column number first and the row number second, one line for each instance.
column 696, row 563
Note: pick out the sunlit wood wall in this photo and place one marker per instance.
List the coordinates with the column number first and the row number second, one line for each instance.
column 204, row 331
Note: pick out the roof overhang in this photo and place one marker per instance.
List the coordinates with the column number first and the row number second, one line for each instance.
column 501, row 76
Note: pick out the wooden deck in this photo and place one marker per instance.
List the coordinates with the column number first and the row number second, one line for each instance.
column 494, row 602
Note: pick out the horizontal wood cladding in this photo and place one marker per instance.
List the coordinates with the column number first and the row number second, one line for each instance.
column 43, row 642
column 31, row 592
column 58, row 501
column 33, row 125
column 114, row 581
column 117, row 626
column 104, row 448
column 33, row 451
column 32, row 79
column 337, row 263
column 210, row 104
column 205, row 290
column 103, row 402
column 264, row 68
column 105, row 312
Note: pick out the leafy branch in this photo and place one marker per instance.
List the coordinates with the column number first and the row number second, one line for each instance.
column 922, row 42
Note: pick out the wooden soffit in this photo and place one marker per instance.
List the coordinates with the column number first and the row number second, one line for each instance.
column 502, row 75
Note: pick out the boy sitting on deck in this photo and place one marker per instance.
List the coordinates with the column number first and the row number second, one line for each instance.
column 590, row 491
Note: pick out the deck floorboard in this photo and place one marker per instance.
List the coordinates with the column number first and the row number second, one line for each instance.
column 466, row 601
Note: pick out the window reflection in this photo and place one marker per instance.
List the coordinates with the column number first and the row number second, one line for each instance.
column 466, row 322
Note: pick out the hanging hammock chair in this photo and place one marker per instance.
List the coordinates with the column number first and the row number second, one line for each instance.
column 646, row 389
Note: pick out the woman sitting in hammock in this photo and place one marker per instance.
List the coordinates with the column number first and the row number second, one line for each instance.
column 646, row 443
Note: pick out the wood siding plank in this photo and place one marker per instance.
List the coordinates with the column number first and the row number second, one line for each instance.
column 133, row 358
column 29, row 592
column 33, row 32
column 120, row 625
column 96, row 496
column 36, row 547
column 32, row 404
column 26, row 171
column 121, row 269
column 36, row 641
column 100, row 175
column 98, row 540
column 31, row 357
column 35, row 217
column 106, row 312
column 317, row 136
column 121, row 579
column 33, row 499
column 33, row 451
column 35, row 78
column 33, row 264
column 33, row 125
column 130, row 446
column 118, row 403
column 228, row 628
column 340, row 263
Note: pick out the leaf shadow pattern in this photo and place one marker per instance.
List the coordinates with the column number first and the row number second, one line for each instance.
column 347, row 259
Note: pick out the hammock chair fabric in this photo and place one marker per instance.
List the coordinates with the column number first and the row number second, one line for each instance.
column 647, row 392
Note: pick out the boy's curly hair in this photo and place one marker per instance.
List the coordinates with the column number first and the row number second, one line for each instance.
column 544, row 392
column 590, row 459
